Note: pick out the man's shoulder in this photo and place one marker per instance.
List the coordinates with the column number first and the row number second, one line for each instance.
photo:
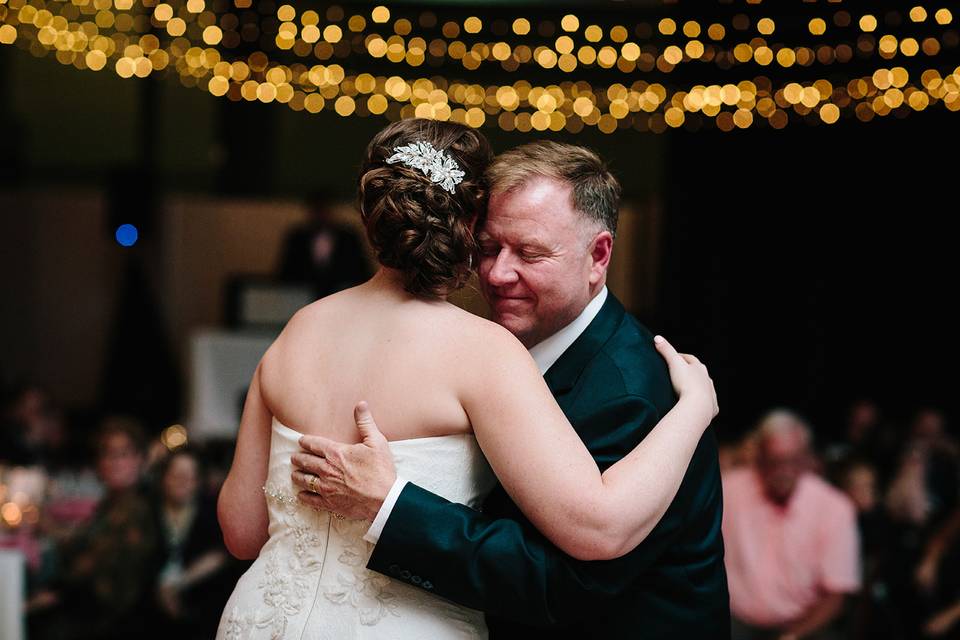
column 740, row 486
column 631, row 365
column 826, row 498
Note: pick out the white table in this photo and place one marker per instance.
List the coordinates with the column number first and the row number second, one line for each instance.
column 11, row 595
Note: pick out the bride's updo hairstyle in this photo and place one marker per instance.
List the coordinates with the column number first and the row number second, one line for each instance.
column 414, row 225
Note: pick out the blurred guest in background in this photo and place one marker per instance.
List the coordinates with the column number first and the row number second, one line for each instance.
column 327, row 255
column 193, row 556
column 869, row 614
column 924, row 488
column 921, row 495
column 791, row 539
column 106, row 582
column 28, row 421
column 941, row 545
column 938, row 578
column 739, row 453
column 866, row 437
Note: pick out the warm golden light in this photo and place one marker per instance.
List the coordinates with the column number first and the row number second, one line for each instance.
column 694, row 49
column 8, row 34
column 716, row 31
column 691, row 29
column 332, row 33
column 176, row 27
column 667, row 27
column 357, row 23
column 380, row 14
column 163, row 12
column 570, row 23
column 888, row 45
column 344, row 106
column 212, row 35
column 673, row 54
column 11, row 514
column 313, row 103
column 96, row 60
column 830, row 113
column 763, row 55
column 200, row 43
column 743, row 118
column 909, row 47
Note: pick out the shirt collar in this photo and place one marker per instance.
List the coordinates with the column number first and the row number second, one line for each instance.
column 549, row 350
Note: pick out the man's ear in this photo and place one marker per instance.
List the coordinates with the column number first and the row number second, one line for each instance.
column 601, row 249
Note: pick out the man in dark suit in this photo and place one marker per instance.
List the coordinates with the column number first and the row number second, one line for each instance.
column 326, row 255
column 545, row 248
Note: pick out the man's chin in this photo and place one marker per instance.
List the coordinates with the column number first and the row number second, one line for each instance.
column 515, row 324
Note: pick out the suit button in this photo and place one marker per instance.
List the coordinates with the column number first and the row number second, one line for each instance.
column 394, row 569
column 405, row 574
column 416, row 579
column 427, row 585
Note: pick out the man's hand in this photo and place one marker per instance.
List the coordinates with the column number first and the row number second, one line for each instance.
column 347, row 479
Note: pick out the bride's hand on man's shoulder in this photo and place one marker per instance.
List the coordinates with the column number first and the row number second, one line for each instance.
column 690, row 378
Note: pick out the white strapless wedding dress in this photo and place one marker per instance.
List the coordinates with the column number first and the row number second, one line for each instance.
column 310, row 580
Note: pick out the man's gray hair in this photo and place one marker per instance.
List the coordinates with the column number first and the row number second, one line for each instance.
column 782, row 421
column 596, row 192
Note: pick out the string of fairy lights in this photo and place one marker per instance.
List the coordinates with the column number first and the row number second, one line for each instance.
column 854, row 66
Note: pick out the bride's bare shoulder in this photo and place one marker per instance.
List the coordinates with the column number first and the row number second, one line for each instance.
column 480, row 338
column 308, row 324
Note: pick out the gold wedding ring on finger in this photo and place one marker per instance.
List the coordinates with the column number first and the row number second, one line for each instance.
column 312, row 483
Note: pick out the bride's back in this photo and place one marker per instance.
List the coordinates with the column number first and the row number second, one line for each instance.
column 393, row 341
column 402, row 354
column 396, row 343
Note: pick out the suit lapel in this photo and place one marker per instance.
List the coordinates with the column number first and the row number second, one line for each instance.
column 561, row 378
column 563, row 375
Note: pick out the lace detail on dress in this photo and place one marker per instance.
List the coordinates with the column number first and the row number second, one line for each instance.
column 368, row 592
column 310, row 581
column 284, row 590
column 285, row 585
column 237, row 626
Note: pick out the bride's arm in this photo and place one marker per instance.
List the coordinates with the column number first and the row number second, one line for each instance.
column 546, row 468
column 241, row 506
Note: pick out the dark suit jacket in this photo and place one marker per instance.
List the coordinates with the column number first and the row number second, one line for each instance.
column 614, row 387
column 347, row 266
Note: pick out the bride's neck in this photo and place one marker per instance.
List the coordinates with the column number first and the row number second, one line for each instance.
column 389, row 282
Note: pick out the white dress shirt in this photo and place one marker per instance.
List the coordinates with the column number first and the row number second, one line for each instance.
column 545, row 354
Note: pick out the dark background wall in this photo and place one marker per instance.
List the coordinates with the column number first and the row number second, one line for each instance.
column 815, row 264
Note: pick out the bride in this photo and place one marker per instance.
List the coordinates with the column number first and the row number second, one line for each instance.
column 462, row 391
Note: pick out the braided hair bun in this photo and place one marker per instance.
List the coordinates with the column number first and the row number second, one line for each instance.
column 413, row 224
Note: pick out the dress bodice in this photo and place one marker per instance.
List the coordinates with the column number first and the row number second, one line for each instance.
column 310, row 579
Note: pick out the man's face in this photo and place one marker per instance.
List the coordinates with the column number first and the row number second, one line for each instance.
column 119, row 462
column 540, row 263
column 781, row 460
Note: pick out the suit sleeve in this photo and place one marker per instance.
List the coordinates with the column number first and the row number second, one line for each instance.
column 505, row 567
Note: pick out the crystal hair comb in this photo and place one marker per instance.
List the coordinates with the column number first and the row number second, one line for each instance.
column 437, row 165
